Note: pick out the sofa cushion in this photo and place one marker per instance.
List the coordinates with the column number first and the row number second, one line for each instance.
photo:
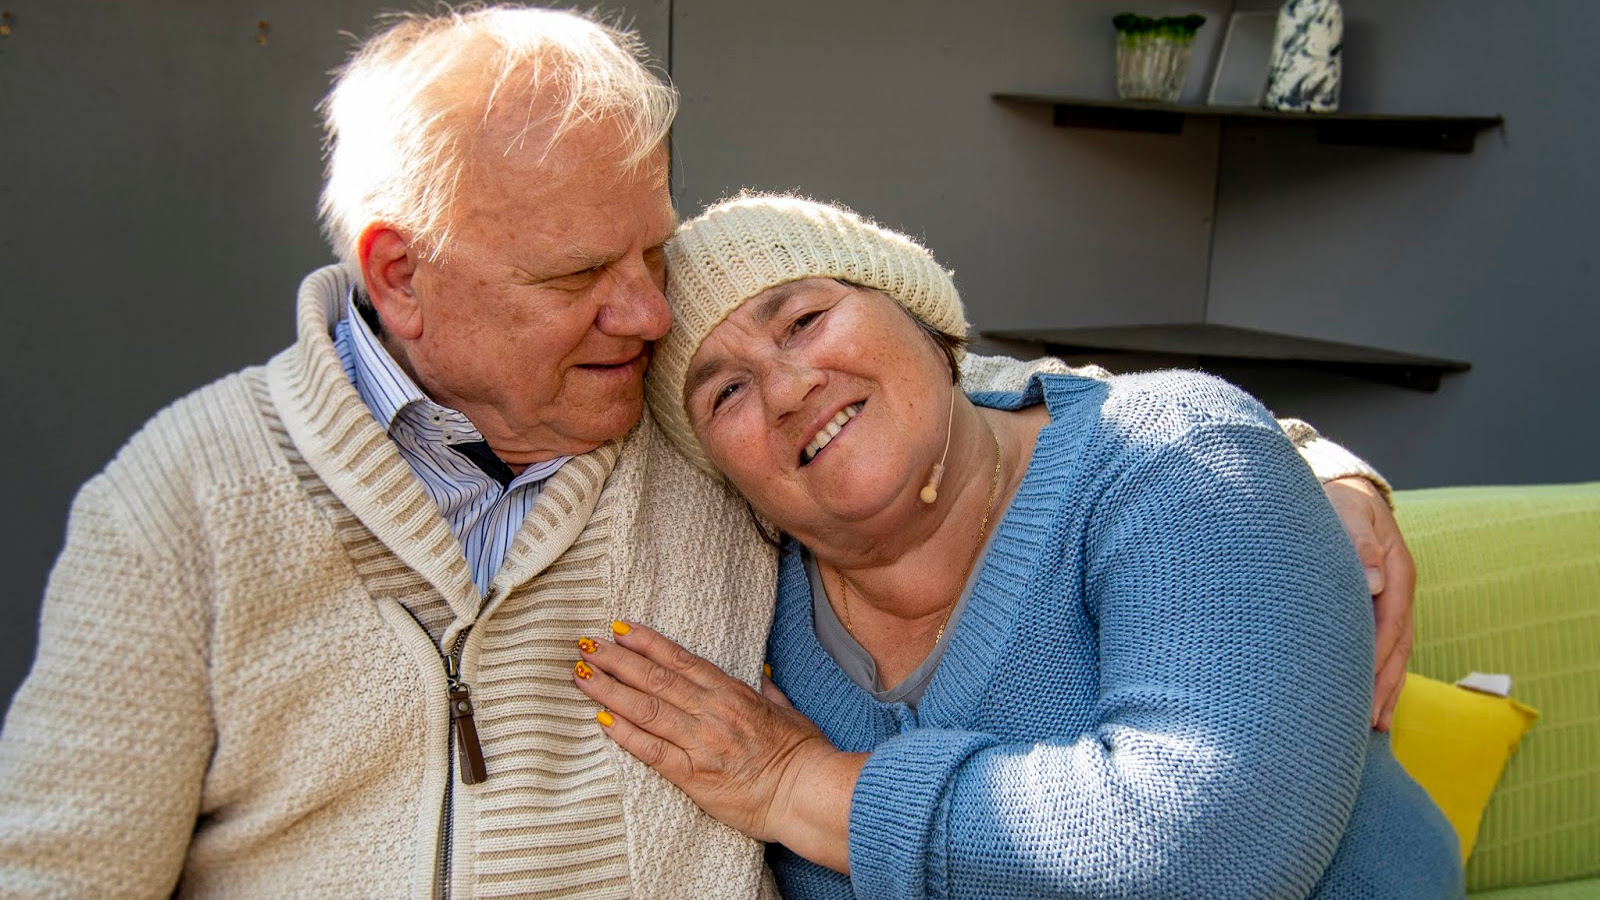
column 1582, row 889
column 1455, row 743
column 1508, row 580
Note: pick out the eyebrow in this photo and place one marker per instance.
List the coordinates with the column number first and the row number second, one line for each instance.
column 700, row 375
column 583, row 260
column 773, row 300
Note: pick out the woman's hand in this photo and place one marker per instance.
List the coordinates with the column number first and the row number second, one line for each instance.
column 1392, row 578
column 746, row 758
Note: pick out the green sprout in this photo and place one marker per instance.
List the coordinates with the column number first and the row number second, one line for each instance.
column 1174, row 28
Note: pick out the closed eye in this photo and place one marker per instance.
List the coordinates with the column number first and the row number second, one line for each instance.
column 804, row 320
column 573, row 281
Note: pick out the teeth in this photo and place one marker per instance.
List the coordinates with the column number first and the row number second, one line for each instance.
column 829, row 431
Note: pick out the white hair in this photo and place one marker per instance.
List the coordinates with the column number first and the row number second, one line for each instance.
column 406, row 113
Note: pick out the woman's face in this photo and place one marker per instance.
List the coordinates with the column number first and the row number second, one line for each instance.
column 824, row 403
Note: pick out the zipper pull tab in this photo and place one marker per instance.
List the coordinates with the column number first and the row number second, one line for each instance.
column 469, row 751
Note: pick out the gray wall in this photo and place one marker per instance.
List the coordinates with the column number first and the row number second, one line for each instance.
column 158, row 174
column 1488, row 257
column 885, row 106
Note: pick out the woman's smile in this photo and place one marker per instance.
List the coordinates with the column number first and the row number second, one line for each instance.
column 828, row 432
column 799, row 371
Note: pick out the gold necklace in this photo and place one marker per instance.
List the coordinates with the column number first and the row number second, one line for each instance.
column 983, row 531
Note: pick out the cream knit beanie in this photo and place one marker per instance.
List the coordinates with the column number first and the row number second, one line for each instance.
column 740, row 247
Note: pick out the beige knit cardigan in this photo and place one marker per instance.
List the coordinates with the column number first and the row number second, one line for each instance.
column 240, row 692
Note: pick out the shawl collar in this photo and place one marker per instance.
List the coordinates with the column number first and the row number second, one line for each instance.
column 353, row 455
column 351, row 452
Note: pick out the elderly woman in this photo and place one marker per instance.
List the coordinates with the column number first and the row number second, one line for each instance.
column 1100, row 638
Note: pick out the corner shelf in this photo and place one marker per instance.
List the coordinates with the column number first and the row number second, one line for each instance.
column 1441, row 134
column 1207, row 341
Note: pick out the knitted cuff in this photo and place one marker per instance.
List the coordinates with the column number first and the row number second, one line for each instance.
column 1330, row 461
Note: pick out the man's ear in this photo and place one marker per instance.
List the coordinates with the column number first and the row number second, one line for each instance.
column 388, row 263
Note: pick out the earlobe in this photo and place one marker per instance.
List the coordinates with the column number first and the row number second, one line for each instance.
column 388, row 264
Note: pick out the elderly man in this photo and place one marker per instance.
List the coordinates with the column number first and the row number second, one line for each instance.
column 311, row 629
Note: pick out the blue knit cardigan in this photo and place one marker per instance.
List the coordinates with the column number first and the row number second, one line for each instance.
column 1159, row 688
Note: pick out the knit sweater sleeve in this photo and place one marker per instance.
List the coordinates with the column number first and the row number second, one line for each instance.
column 1229, row 724
column 1327, row 459
column 106, row 742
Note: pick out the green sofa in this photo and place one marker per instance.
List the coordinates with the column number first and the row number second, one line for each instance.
column 1508, row 580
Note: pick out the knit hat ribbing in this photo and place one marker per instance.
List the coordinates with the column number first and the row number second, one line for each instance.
column 740, row 247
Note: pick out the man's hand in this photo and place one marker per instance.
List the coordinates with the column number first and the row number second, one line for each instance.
column 1392, row 578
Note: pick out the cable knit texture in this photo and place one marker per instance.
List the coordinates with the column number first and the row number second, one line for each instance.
column 239, row 690
column 1160, row 687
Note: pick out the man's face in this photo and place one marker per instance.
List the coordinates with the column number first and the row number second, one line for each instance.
column 537, row 324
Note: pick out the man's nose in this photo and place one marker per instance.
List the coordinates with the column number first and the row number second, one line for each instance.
column 636, row 306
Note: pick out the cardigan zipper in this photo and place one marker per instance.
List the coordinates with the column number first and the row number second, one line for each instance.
column 464, row 737
column 469, row 748
column 441, row 868
column 469, row 755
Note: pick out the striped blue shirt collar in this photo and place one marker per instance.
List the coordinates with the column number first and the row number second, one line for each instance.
column 483, row 514
column 397, row 402
column 384, row 387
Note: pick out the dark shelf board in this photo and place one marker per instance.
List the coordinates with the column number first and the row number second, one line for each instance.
column 1444, row 134
column 1207, row 341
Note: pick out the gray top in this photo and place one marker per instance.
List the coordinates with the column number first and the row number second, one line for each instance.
column 854, row 659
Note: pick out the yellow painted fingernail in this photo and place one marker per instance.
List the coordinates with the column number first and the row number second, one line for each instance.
column 583, row 671
column 587, row 645
column 605, row 718
column 766, row 669
column 620, row 627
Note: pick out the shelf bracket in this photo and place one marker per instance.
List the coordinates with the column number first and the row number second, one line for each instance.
column 1440, row 137
column 1439, row 134
column 1195, row 343
column 1155, row 121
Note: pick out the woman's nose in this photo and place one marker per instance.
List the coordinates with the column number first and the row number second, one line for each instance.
column 786, row 385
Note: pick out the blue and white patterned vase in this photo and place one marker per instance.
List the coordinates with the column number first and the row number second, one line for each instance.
column 1305, row 70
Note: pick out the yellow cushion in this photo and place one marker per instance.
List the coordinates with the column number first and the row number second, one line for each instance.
column 1455, row 743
